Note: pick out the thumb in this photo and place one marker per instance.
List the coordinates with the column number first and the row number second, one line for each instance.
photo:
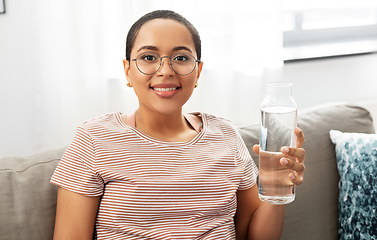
column 256, row 148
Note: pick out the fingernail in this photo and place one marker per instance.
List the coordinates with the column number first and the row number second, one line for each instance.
column 292, row 176
column 284, row 161
column 284, row 150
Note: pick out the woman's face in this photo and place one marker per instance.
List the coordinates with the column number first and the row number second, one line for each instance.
column 164, row 91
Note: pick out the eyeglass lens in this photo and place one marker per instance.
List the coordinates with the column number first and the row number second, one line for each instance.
column 150, row 63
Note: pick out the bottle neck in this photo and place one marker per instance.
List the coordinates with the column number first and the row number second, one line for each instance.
column 279, row 94
column 279, row 90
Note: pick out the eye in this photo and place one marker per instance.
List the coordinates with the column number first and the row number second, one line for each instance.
column 181, row 58
column 148, row 57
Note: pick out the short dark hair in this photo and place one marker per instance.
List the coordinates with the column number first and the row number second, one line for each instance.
column 164, row 14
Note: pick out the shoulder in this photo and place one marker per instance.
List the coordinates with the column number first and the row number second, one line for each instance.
column 104, row 129
column 99, row 119
column 107, row 121
column 217, row 124
column 218, row 120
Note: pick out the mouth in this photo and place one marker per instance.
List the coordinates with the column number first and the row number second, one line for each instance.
column 164, row 89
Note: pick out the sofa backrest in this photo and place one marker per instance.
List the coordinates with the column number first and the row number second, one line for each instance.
column 314, row 213
column 27, row 199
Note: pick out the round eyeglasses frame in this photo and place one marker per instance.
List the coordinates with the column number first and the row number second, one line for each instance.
column 170, row 63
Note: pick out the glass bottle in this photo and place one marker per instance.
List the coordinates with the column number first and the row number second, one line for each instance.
column 277, row 125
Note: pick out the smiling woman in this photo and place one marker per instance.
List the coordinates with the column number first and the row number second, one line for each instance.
column 149, row 73
column 159, row 173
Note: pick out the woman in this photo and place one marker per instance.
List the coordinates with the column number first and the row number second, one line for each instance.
column 158, row 173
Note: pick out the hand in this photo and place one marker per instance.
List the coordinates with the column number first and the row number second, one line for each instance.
column 293, row 158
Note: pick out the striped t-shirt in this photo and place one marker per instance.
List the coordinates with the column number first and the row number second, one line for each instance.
column 153, row 189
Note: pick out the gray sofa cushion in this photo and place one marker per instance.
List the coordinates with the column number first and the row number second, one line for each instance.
column 27, row 199
column 314, row 213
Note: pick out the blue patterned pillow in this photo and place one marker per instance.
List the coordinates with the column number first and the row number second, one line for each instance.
column 356, row 155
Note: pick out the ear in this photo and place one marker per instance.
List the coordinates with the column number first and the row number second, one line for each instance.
column 200, row 68
column 126, row 66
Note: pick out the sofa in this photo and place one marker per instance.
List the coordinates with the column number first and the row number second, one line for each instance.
column 28, row 200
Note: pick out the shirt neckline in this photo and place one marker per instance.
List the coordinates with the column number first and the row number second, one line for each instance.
column 146, row 137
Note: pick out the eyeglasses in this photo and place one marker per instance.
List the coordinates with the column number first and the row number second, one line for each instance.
column 149, row 63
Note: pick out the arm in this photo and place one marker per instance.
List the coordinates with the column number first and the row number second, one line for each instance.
column 75, row 215
column 255, row 219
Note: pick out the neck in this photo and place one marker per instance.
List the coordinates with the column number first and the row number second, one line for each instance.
column 171, row 127
column 174, row 121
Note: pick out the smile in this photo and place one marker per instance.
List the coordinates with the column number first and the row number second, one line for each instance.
column 164, row 89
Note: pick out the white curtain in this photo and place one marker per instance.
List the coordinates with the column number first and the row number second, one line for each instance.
column 76, row 53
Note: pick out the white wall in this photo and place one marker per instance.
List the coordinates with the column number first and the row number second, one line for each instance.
column 351, row 79
column 17, row 78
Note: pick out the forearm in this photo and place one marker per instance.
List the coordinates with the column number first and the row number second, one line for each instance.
column 267, row 222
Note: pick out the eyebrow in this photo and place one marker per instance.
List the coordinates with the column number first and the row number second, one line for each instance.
column 153, row 48
column 182, row 48
column 148, row 47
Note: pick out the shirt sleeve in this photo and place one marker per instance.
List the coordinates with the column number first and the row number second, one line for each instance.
column 76, row 170
column 250, row 172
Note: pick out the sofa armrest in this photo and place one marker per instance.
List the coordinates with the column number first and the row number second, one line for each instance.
column 27, row 199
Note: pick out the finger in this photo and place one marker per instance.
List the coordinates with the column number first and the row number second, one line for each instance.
column 294, row 152
column 296, row 180
column 300, row 137
column 296, row 166
column 256, row 148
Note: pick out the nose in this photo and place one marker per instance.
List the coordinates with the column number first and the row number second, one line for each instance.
column 165, row 67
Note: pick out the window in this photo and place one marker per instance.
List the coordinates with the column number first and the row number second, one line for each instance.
column 328, row 28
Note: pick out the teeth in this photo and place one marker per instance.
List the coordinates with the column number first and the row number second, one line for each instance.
column 165, row 89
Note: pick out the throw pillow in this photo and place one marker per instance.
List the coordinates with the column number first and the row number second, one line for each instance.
column 356, row 155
